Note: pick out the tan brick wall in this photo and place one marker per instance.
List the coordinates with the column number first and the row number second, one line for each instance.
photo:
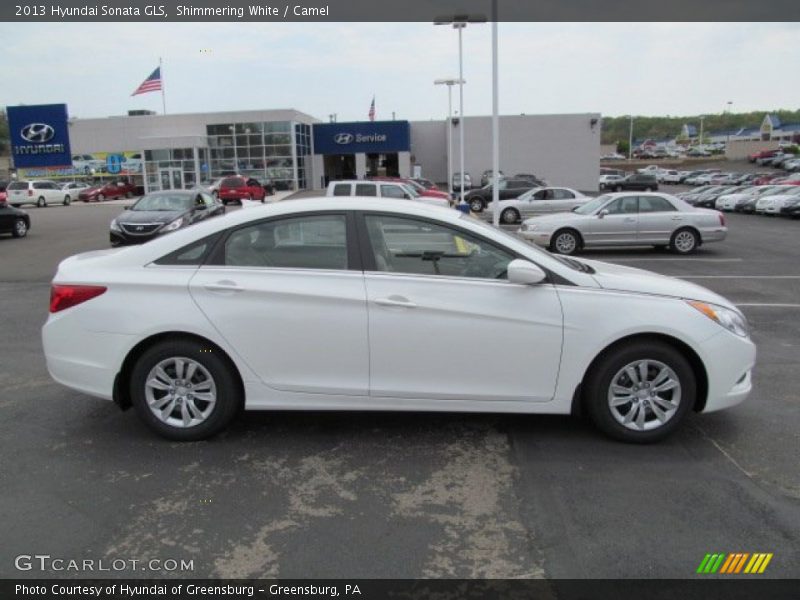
column 739, row 149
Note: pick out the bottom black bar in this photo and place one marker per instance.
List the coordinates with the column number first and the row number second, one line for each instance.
column 379, row 589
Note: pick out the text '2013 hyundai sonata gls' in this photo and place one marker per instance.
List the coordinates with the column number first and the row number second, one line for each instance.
column 353, row 304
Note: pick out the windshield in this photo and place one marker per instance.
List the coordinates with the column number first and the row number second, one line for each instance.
column 411, row 190
column 778, row 191
column 164, row 202
column 592, row 205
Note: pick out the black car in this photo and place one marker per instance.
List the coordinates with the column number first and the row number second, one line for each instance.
column 709, row 199
column 537, row 181
column 162, row 212
column 791, row 208
column 508, row 188
column 14, row 221
column 636, row 181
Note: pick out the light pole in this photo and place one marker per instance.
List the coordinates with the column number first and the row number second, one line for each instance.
column 630, row 140
column 449, row 83
column 495, row 124
column 701, row 130
column 459, row 22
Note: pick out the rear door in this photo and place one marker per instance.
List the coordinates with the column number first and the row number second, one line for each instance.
column 288, row 295
column 563, row 200
column 658, row 218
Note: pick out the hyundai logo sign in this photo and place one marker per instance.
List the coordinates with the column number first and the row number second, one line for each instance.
column 37, row 133
column 343, row 138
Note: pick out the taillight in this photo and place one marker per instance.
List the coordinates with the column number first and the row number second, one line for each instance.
column 721, row 220
column 66, row 296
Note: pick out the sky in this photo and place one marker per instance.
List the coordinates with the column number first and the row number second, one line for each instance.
column 323, row 68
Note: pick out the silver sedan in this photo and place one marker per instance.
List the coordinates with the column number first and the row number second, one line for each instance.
column 628, row 219
column 540, row 200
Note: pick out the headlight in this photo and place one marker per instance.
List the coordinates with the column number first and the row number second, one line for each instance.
column 115, row 226
column 530, row 226
column 731, row 320
column 174, row 225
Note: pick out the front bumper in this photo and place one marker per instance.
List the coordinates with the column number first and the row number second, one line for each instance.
column 120, row 238
column 729, row 360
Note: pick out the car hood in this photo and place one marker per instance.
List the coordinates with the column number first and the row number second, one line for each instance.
column 629, row 279
column 132, row 217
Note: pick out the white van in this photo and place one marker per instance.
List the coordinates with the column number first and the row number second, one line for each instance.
column 41, row 193
column 380, row 189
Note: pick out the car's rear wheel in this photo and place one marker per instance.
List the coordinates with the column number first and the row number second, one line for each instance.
column 67, row 200
column 476, row 205
column 184, row 391
column 565, row 241
column 509, row 216
column 20, row 228
column 684, row 241
column 640, row 392
column 41, row 202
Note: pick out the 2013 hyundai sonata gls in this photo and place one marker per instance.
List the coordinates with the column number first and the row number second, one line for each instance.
column 353, row 304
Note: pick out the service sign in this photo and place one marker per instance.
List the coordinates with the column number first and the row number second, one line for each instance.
column 364, row 136
column 39, row 135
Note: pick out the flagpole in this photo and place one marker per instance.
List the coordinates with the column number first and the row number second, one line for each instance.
column 163, row 97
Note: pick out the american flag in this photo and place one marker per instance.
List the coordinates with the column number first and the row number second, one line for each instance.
column 372, row 110
column 151, row 84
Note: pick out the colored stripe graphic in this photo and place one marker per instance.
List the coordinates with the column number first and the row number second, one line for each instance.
column 735, row 563
column 703, row 563
column 764, row 564
column 741, row 562
column 726, row 566
column 717, row 563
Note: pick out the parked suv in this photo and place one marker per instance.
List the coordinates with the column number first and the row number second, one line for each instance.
column 39, row 193
column 479, row 199
column 236, row 189
column 381, row 189
column 637, row 181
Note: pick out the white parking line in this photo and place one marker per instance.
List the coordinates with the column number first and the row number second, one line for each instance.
column 775, row 305
column 739, row 277
column 643, row 259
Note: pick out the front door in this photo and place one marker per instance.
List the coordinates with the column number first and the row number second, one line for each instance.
column 170, row 178
column 283, row 295
column 617, row 223
column 445, row 324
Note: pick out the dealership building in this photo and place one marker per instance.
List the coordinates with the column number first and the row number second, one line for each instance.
column 297, row 151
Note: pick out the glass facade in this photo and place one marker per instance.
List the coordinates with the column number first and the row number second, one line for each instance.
column 302, row 136
column 263, row 151
column 172, row 169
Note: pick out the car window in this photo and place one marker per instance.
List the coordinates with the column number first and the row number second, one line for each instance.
column 624, row 205
column 207, row 200
column 540, row 195
column 309, row 242
column 341, row 189
column 232, row 182
column 406, row 245
column 650, row 204
column 18, row 185
column 193, row 254
column 562, row 194
column 392, row 191
column 366, row 189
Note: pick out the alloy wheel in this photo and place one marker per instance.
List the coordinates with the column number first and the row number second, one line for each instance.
column 180, row 392
column 566, row 243
column 644, row 395
column 685, row 241
column 20, row 228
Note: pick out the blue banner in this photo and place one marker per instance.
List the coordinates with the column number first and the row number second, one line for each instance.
column 378, row 137
column 39, row 135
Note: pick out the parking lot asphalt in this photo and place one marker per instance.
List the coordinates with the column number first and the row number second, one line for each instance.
column 403, row 495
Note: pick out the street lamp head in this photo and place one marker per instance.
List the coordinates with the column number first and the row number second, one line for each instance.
column 459, row 21
column 448, row 81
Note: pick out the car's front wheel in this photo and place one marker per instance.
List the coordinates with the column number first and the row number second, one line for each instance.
column 566, row 241
column 476, row 205
column 20, row 228
column 640, row 392
column 67, row 200
column 184, row 390
column 684, row 241
column 509, row 216
column 41, row 202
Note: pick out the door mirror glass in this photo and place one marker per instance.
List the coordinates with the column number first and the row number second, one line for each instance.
column 524, row 272
column 602, row 213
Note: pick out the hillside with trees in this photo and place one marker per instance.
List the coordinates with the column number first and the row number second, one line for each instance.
column 615, row 129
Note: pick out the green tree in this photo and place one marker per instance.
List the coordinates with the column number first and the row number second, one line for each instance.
column 4, row 138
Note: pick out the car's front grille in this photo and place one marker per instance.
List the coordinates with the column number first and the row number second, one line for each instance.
column 140, row 228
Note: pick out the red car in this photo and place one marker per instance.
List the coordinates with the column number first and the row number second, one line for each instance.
column 236, row 189
column 762, row 154
column 106, row 191
column 3, row 193
column 421, row 189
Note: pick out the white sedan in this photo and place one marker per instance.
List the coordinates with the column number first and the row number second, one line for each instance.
column 351, row 304
column 628, row 219
column 772, row 203
column 538, row 201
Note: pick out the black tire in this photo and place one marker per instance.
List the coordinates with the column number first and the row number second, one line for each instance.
column 41, row 202
column 476, row 205
column 599, row 380
column 20, row 229
column 560, row 244
column 678, row 244
column 67, row 200
column 509, row 216
column 229, row 397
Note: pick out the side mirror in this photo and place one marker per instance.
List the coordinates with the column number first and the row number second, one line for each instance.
column 524, row 272
column 602, row 213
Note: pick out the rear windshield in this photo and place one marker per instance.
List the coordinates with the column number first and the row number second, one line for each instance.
column 233, row 182
column 18, row 185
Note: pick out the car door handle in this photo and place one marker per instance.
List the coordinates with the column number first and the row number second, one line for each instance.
column 223, row 286
column 396, row 301
column 677, row 218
